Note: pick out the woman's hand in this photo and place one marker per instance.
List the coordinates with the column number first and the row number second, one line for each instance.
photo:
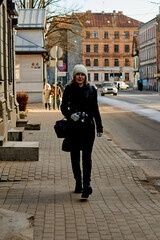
column 99, row 134
column 75, row 117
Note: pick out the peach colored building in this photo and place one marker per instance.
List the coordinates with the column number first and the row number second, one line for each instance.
column 107, row 45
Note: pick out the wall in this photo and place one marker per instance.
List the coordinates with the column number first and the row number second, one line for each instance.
column 8, row 107
column 29, row 76
column 111, row 55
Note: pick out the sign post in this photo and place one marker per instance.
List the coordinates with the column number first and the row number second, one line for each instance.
column 56, row 53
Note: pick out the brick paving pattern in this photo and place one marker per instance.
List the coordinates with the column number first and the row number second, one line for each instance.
column 119, row 208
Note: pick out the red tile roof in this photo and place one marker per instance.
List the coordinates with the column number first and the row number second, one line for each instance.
column 89, row 19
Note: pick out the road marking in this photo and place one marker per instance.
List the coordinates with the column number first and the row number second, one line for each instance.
column 136, row 108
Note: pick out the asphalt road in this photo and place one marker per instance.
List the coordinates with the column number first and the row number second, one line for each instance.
column 136, row 134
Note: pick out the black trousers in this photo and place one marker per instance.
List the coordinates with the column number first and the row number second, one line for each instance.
column 48, row 105
column 86, row 164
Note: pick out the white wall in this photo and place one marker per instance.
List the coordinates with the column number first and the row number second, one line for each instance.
column 29, row 76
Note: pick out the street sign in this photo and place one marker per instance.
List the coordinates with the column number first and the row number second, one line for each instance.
column 62, row 68
column 121, row 69
column 61, row 74
column 53, row 52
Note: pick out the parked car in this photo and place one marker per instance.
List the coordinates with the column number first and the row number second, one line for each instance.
column 94, row 85
column 122, row 85
column 108, row 88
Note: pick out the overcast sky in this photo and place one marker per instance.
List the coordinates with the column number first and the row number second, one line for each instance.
column 142, row 10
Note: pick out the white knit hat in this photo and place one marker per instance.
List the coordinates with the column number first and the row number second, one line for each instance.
column 79, row 68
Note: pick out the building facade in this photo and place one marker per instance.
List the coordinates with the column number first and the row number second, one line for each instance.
column 8, row 104
column 31, row 55
column 135, row 54
column 149, row 54
column 107, row 40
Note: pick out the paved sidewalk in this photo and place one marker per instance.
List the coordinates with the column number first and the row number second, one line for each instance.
column 120, row 208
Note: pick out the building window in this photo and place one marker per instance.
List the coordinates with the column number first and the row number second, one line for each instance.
column 126, row 48
column 126, row 76
column 116, row 35
column 106, row 48
column 106, row 62
column 116, row 48
column 127, row 63
column 106, row 78
column 96, row 48
column 95, row 76
column 88, row 34
column 136, row 33
column 88, row 62
column 88, row 48
column 96, row 62
column 95, row 34
column 116, row 62
column 106, row 35
column 89, row 77
column 126, row 35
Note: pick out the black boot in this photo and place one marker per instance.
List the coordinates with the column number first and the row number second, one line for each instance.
column 78, row 187
column 87, row 190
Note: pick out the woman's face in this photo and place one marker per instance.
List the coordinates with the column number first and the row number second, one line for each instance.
column 80, row 79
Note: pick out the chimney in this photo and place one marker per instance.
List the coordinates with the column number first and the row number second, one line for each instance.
column 89, row 12
column 120, row 12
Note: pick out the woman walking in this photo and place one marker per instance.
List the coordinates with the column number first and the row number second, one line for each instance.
column 79, row 106
column 47, row 96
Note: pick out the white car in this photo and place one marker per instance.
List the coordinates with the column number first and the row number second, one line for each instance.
column 108, row 88
column 122, row 85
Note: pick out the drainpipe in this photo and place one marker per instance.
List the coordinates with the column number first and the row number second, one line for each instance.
column 156, row 49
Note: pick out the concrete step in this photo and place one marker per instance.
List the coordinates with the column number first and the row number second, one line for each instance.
column 28, row 125
column 21, row 122
column 15, row 134
column 19, row 151
column 2, row 140
column 32, row 126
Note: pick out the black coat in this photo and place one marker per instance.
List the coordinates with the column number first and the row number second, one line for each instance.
column 81, row 99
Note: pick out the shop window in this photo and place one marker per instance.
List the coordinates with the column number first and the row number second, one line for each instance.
column 126, row 76
column 106, row 78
